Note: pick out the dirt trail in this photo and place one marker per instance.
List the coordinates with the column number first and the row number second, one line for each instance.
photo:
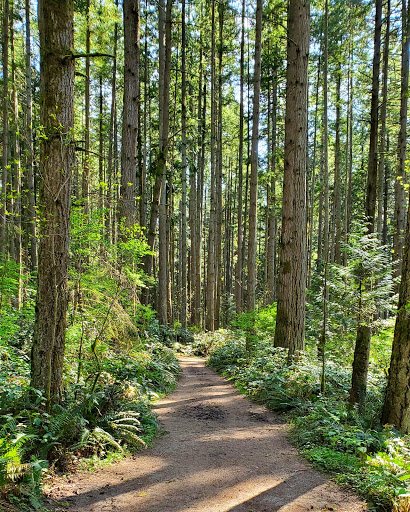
column 220, row 453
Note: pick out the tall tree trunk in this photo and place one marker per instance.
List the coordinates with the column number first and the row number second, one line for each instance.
column 374, row 125
column 183, row 177
column 325, row 137
column 101, row 159
column 290, row 320
column 311, row 205
column 110, row 215
column 239, row 261
column 251, row 299
column 56, row 162
column 31, row 199
column 15, row 238
column 219, row 174
column 5, row 154
column 144, row 193
column 396, row 409
column 363, row 334
column 272, row 225
column 337, row 192
column 160, row 171
column 399, row 193
column 165, row 69
column 383, row 115
column 210, row 275
column 349, row 152
column 126, row 207
column 85, row 187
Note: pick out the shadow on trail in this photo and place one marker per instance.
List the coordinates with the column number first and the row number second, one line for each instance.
column 228, row 462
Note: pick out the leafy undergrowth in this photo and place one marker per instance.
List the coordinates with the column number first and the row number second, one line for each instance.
column 355, row 448
column 116, row 364
column 89, row 425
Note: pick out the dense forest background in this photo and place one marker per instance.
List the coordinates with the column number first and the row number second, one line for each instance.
column 174, row 168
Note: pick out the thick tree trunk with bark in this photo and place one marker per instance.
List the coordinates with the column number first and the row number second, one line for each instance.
column 126, row 207
column 290, row 320
column 396, row 410
column 56, row 162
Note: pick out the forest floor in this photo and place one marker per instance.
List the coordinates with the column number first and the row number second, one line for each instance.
column 219, row 452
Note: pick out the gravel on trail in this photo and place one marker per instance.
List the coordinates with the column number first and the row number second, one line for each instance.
column 218, row 452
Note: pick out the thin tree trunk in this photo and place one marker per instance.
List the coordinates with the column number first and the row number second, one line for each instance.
column 349, row 153
column 165, row 68
column 251, row 299
column 219, row 171
column 31, row 194
column 363, row 334
column 399, row 193
column 271, row 248
column 15, row 238
column 325, row 137
column 383, row 115
column 5, row 154
column 337, row 192
column 313, row 183
column 85, row 187
column 374, row 125
column 183, row 177
column 210, row 284
column 239, row 261
column 110, row 215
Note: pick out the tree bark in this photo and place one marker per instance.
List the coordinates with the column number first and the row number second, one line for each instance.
column 85, row 186
column 370, row 211
column 396, row 409
column 5, row 154
column 165, row 68
column 272, row 224
column 56, row 162
column 184, row 176
column 290, row 320
column 210, row 274
column 383, row 115
column 239, row 261
column 337, row 192
column 31, row 194
column 126, row 206
column 399, row 193
column 251, row 299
